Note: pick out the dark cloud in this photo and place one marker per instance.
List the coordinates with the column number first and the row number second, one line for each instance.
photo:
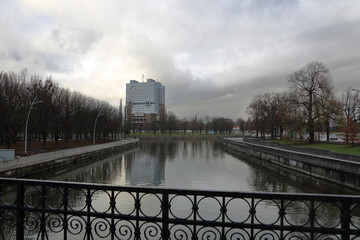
column 184, row 90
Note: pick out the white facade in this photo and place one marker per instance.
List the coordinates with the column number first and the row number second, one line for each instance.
column 146, row 97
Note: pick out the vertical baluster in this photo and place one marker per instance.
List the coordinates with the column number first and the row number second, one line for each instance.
column 282, row 216
column 345, row 219
column 165, row 215
column 137, row 207
column 65, row 203
column 252, row 212
column 195, row 211
column 88, row 221
column 43, row 216
column 312, row 215
column 223, row 217
column 112, row 205
column 20, row 211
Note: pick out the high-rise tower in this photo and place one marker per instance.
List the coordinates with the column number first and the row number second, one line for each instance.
column 146, row 99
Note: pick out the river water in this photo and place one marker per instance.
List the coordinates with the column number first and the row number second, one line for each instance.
column 201, row 165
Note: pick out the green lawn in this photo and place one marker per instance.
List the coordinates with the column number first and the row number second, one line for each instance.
column 341, row 148
column 335, row 148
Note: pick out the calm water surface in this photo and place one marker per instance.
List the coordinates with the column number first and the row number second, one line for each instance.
column 193, row 165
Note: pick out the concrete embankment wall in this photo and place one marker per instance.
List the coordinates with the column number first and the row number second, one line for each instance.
column 336, row 170
column 23, row 166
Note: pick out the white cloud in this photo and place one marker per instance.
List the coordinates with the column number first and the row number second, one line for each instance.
column 212, row 56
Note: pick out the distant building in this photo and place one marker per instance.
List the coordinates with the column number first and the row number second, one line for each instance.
column 146, row 99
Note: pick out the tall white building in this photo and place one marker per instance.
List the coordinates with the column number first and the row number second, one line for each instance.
column 146, row 97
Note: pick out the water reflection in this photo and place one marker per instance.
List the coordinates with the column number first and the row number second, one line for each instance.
column 150, row 171
column 193, row 165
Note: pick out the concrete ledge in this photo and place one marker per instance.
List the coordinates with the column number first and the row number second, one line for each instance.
column 6, row 154
column 337, row 170
column 36, row 163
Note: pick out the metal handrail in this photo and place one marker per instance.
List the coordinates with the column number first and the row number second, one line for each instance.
column 47, row 209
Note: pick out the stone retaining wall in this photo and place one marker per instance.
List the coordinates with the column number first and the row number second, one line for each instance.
column 20, row 167
column 337, row 170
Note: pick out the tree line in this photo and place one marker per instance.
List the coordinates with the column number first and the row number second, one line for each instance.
column 311, row 104
column 60, row 114
column 167, row 122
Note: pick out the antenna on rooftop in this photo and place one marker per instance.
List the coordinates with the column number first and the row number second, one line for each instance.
column 143, row 78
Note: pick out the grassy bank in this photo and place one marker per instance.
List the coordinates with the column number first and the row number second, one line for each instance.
column 340, row 148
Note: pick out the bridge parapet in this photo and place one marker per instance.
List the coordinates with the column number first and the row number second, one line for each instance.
column 64, row 210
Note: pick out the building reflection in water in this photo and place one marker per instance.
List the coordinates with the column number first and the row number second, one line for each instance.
column 145, row 170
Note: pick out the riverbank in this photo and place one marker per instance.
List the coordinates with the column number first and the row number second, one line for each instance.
column 36, row 147
column 343, row 169
column 326, row 147
column 23, row 166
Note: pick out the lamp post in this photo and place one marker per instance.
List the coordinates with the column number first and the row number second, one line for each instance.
column 27, row 120
column 99, row 115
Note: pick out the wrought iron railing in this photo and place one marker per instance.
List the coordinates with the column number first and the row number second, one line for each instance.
column 34, row 209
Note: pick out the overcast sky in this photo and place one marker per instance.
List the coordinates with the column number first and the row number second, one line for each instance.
column 212, row 56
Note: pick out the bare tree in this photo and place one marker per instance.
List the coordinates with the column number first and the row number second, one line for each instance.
column 222, row 125
column 351, row 108
column 185, row 125
column 207, row 124
column 351, row 132
column 128, row 118
column 68, row 113
column 330, row 111
column 79, row 109
column 194, row 123
column 241, row 123
column 200, row 125
column 351, row 104
column 171, row 122
column 153, row 123
column 13, row 106
column 58, row 117
column 162, row 119
column 309, row 84
column 282, row 102
column 61, row 112
column 120, row 116
column 257, row 111
column 45, row 91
